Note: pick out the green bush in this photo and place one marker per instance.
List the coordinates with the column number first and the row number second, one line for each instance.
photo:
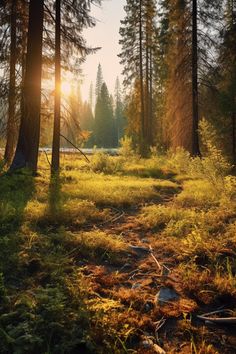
column 179, row 161
column 126, row 150
column 103, row 163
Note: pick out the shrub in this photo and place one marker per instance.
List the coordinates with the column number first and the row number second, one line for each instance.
column 126, row 150
column 213, row 167
column 103, row 163
column 179, row 161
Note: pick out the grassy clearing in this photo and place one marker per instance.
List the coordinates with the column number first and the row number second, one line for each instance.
column 61, row 285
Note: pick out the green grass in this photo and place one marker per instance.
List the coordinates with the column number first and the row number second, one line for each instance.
column 60, row 252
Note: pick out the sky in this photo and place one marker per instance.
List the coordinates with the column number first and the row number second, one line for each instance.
column 105, row 35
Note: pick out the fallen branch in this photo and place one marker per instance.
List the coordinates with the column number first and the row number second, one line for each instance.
column 154, row 258
column 218, row 320
column 75, row 147
column 47, row 157
column 159, row 325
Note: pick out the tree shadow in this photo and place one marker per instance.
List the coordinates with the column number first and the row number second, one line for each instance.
column 55, row 197
column 15, row 192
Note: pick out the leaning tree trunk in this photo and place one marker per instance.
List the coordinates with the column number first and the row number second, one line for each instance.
column 26, row 154
column 57, row 103
column 195, row 136
column 11, row 123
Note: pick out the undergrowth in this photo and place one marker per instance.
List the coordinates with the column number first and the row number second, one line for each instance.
column 58, row 249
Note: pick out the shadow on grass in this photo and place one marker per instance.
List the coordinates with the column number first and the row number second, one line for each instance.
column 55, row 203
column 15, row 192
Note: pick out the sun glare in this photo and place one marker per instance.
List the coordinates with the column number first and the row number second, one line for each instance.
column 66, row 88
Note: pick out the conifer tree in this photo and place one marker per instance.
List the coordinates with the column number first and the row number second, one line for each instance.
column 227, row 81
column 11, row 122
column 137, row 38
column 119, row 112
column 57, row 99
column 91, row 96
column 99, row 81
column 26, row 154
column 12, row 41
column 104, row 121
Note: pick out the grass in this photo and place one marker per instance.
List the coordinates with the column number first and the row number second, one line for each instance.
column 68, row 280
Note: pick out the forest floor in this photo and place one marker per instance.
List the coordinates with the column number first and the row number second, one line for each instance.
column 119, row 256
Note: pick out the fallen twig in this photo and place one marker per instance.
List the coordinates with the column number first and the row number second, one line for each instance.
column 75, row 147
column 156, row 261
column 218, row 320
column 47, row 157
column 159, row 325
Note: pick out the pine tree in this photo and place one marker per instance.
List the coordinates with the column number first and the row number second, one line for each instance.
column 195, row 100
column 176, row 92
column 12, row 41
column 137, row 38
column 227, row 82
column 104, row 120
column 26, row 154
column 99, row 81
column 120, row 120
column 11, row 122
column 91, row 95
column 87, row 118
column 57, row 99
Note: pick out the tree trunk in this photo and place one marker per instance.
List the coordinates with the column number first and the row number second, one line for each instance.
column 11, row 123
column 147, row 93
column 26, row 154
column 234, row 137
column 151, row 99
column 57, row 104
column 195, row 137
column 143, row 137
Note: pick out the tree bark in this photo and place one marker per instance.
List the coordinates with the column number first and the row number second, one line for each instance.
column 143, row 137
column 147, row 92
column 11, row 123
column 234, row 137
column 57, row 103
column 26, row 154
column 151, row 99
column 195, row 136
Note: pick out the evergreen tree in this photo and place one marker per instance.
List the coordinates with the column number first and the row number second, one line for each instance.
column 99, row 81
column 120, row 120
column 219, row 95
column 11, row 122
column 57, row 99
column 104, row 120
column 137, row 38
column 176, row 43
column 26, row 154
column 91, row 95
column 12, row 41
column 227, row 84
column 87, row 119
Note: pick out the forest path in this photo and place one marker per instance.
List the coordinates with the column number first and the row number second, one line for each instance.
column 149, row 266
column 144, row 270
